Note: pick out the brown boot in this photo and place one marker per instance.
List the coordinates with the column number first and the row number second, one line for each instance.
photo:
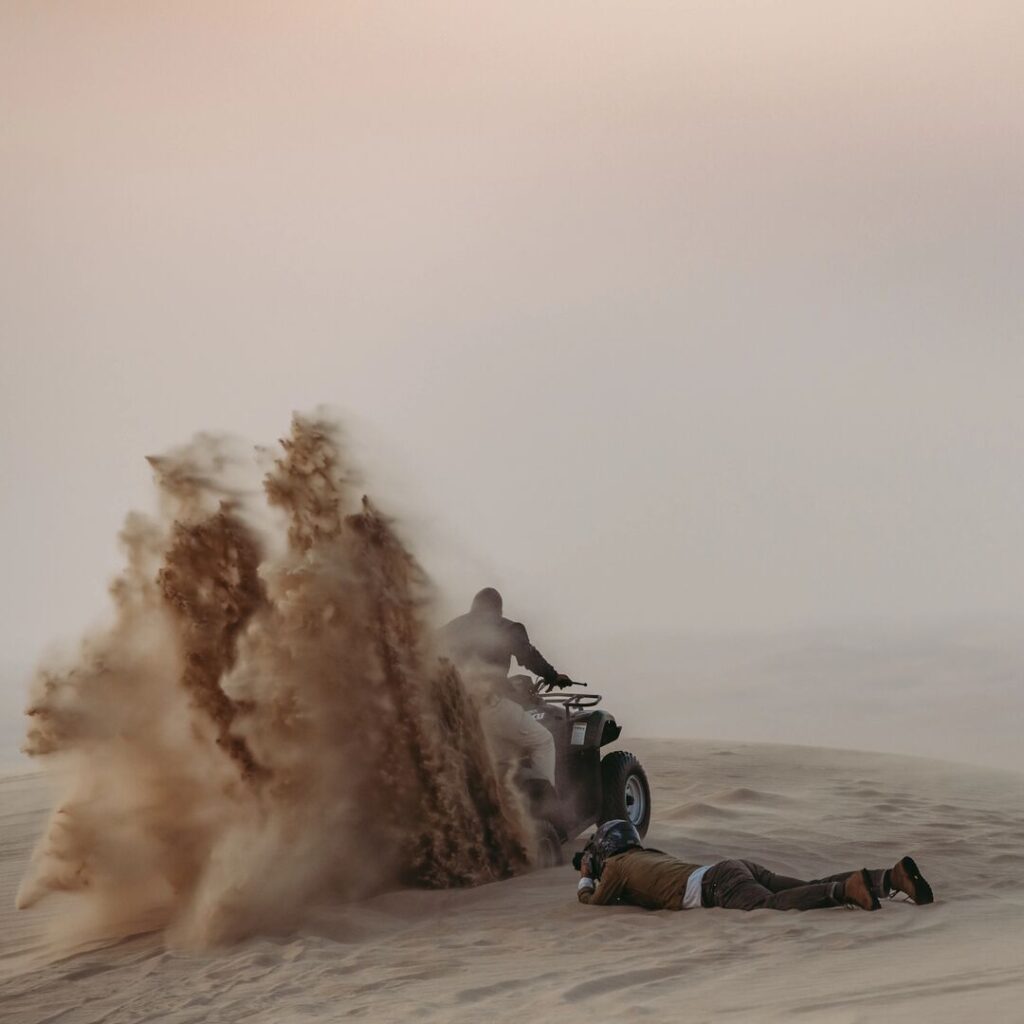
column 858, row 891
column 905, row 877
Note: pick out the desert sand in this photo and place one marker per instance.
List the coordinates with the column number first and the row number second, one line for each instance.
column 526, row 950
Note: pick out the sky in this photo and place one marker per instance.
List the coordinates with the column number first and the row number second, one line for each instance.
column 680, row 318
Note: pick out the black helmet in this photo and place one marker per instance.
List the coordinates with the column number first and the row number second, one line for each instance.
column 488, row 602
column 612, row 837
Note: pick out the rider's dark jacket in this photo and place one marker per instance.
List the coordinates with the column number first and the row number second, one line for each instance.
column 493, row 641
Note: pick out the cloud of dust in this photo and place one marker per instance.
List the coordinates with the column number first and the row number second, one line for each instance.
column 266, row 722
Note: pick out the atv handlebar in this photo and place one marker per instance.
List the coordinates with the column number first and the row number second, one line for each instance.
column 543, row 687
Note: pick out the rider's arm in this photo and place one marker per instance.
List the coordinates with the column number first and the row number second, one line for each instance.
column 607, row 890
column 527, row 655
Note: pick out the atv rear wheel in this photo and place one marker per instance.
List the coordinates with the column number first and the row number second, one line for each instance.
column 626, row 792
column 548, row 845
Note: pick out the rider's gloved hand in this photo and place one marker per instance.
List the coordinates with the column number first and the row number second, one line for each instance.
column 562, row 681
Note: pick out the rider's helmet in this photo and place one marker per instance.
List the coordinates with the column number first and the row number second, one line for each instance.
column 612, row 837
column 488, row 602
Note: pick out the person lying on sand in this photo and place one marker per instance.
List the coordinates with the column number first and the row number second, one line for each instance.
column 616, row 868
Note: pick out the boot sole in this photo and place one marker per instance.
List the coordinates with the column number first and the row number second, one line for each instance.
column 922, row 890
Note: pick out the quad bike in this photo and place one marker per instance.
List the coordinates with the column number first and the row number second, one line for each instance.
column 589, row 789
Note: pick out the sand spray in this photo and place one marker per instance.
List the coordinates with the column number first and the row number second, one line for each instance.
column 266, row 722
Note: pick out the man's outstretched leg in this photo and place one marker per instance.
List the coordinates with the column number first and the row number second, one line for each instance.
column 739, row 885
column 903, row 877
column 756, row 886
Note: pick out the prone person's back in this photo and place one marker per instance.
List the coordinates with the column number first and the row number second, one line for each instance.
column 646, row 878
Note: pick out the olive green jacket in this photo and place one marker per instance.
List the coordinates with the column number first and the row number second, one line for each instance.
column 646, row 878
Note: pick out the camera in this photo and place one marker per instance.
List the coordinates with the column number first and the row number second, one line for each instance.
column 585, row 858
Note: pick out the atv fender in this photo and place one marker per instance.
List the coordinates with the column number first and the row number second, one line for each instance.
column 591, row 730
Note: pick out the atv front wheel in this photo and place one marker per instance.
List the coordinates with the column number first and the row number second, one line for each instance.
column 626, row 792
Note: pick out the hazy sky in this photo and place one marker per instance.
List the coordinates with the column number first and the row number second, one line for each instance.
column 656, row 315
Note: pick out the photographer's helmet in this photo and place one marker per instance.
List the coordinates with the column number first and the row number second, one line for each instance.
column 612, row 837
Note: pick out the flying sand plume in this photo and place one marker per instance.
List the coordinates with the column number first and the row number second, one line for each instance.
column 266, row 722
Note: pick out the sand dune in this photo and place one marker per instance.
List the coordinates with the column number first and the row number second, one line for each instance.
column 526, row 950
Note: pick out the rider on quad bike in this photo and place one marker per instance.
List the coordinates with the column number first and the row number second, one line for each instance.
column 555, row 739
column 482, row 644
column 484, row 636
